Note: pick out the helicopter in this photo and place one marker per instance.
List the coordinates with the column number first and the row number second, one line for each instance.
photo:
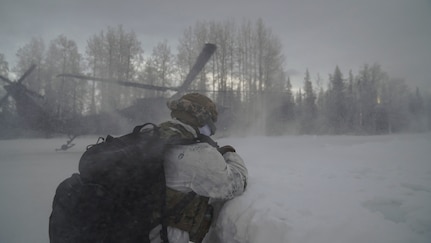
column 29, row 104
column 31, row 109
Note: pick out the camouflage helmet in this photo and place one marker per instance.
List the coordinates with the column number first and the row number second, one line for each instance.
column 194, row 109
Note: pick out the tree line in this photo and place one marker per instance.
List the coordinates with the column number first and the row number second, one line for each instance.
column 369, row 102
column 246, row 77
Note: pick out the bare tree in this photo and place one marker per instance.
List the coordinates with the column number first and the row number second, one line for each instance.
column 368, row 80
column 32, row 53
column 115, row 55
column 160, row 66
column 95, row 63
column 190, row 43
column 67, row 97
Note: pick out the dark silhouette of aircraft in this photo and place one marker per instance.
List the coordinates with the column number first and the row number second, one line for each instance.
column 32, row 111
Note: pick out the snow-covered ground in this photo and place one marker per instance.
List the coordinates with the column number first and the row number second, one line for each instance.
column 325, row 189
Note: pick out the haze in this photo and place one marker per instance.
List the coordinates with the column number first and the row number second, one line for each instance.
column 317, row 35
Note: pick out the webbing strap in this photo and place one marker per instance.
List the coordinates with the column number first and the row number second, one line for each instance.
column 175, row 210
column 207, row 139
column 186, row 141
column 181, row 205
column 139, row 128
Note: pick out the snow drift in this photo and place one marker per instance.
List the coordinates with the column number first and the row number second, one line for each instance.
column 301, row 189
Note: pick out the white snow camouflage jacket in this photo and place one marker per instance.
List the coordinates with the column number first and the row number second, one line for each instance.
column 202, row 169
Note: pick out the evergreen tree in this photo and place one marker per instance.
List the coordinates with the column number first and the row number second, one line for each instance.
column 351, row 104
column 299, row 104
column 416, row 103
column 395, row 100
column 336, row 110
column 417, row 111
column 428, row 112
column 321, row 104
column 309, row 108
column 288, row 103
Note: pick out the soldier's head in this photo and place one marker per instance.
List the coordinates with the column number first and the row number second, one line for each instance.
column 196, row 110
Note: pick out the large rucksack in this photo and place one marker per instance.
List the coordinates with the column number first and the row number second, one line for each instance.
column 119, row 194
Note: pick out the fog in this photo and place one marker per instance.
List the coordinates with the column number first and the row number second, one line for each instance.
column 305, row 186
column 301, row 189
column 315, row 34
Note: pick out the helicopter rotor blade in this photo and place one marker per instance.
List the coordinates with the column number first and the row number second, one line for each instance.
column 6, row 79
column 119, row 82
column 147, row 86
column 27, row 73
column 201, row 60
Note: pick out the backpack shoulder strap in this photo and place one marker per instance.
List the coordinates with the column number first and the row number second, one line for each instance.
column 170, row 130
column 206, row 139
column 139, row 128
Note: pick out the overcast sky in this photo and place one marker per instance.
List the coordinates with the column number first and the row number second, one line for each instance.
column 316, row 34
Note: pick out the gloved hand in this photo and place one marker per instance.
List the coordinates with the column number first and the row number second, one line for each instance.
column 226, row 149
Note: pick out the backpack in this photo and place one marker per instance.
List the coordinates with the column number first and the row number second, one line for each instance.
column 118, row 194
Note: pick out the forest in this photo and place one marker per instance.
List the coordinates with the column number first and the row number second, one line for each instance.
column 247, row 77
